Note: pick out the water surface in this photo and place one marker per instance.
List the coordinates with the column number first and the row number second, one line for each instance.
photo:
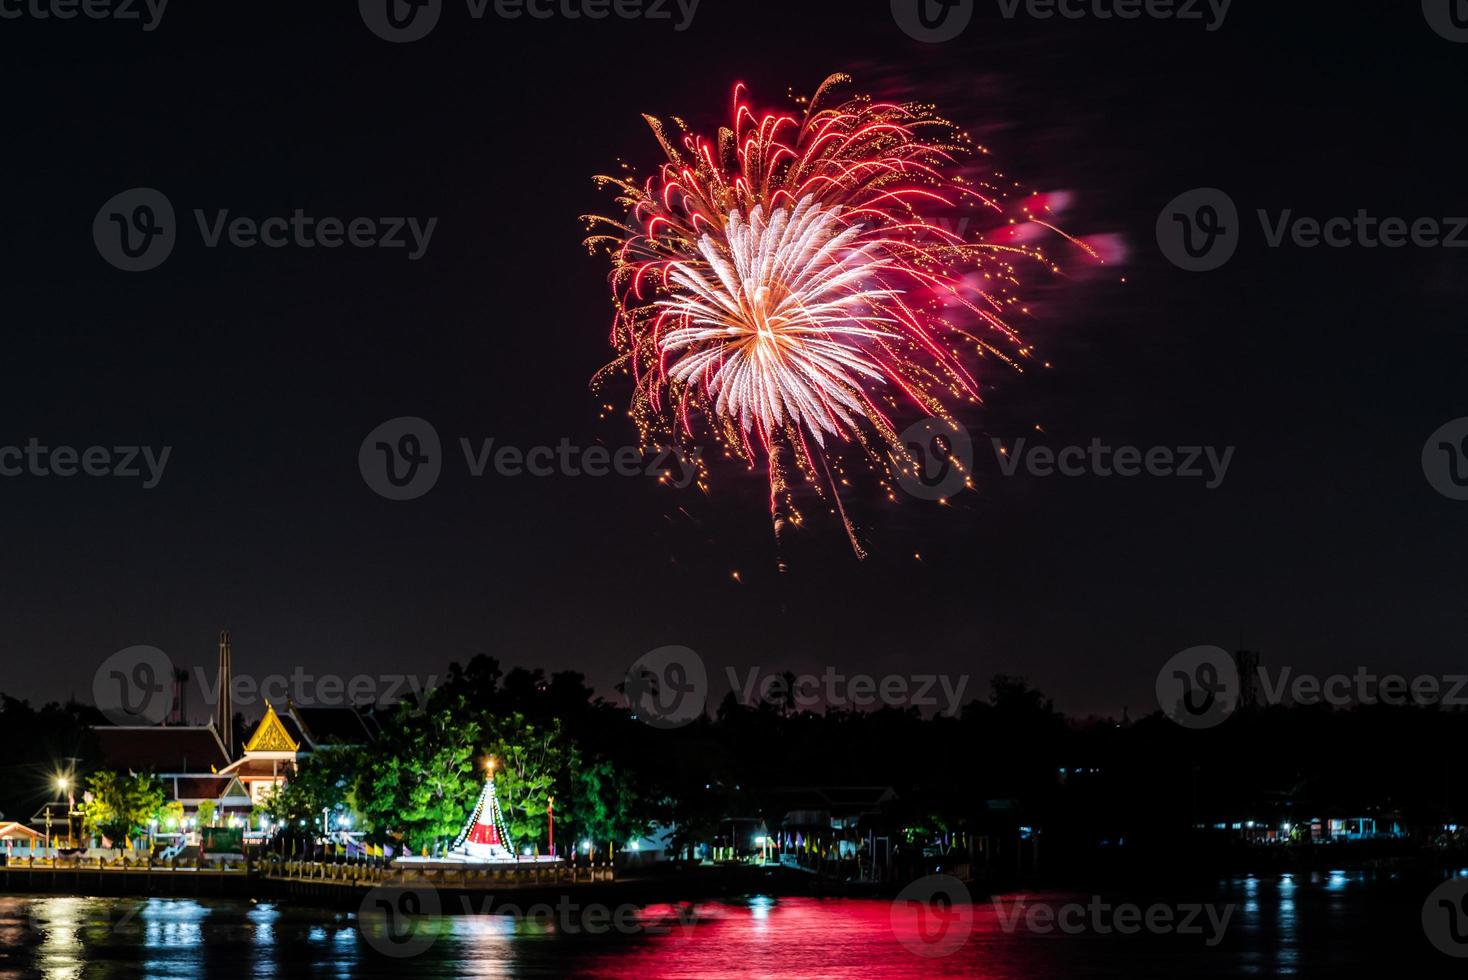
column 1328, row 924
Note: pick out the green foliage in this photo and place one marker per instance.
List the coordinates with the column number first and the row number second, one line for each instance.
column 206, row 813
column 171, row 817
column 528, row 760
column 121, row 806
column 321, row 781
column 419, row 780
column 602, row 805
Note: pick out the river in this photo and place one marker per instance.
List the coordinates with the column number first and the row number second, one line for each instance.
column 1311, row 925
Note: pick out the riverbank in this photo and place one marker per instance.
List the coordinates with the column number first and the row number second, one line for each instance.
column 345, row 886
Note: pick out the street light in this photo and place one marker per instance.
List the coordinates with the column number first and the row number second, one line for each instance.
column 63, row 786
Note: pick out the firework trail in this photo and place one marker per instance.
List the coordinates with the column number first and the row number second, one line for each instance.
column 780, row 289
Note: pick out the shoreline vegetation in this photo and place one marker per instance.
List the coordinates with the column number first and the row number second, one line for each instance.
column 1004, row 792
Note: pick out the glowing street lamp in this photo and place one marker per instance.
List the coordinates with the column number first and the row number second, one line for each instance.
column 63, row 786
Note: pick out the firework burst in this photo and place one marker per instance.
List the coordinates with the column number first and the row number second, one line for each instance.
column 782, row 290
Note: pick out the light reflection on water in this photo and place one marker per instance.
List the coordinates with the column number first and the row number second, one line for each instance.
column 1285, row 925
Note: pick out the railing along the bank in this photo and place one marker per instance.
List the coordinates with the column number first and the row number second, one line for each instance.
column 448, row 877
column 142, row 862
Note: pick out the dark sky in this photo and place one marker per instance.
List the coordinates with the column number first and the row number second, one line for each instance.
column 264, row 369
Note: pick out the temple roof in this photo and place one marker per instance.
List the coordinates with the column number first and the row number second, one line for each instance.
column 272, row 735
column 332, row 726
column 206, row 788
column 10, row 830
column 161, row 749
column 256, row 768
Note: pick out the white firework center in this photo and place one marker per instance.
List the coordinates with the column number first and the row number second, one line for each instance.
column 779, row 321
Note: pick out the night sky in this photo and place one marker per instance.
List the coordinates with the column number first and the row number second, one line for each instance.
column 1327, row 369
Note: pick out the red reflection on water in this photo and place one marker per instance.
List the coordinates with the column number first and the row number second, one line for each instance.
column 796, row 938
